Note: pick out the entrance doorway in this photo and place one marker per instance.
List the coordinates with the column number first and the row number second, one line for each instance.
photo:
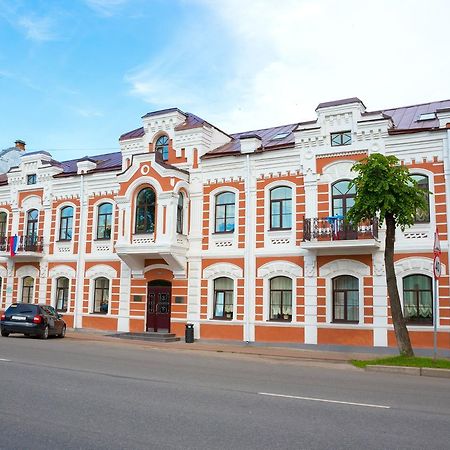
column 158, row 305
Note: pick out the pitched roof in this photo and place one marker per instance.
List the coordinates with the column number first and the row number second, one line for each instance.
column 344, row 101
column 105, row 163
column 133, row 134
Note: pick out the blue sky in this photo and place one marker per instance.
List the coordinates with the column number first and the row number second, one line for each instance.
column 76, row 74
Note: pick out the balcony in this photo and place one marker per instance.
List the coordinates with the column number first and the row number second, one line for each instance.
column 333, row 235
column 28, row 247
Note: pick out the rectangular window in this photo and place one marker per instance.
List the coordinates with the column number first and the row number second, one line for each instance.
column 341, row 138
column 31, row 179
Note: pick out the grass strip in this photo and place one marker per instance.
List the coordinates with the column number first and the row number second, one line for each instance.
column 404, row 361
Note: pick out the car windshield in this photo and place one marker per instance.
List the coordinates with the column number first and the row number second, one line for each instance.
column 21, row 308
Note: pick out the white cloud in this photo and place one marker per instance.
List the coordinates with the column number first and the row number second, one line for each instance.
column 88, row 112
column 278, row 59
column 105, row 8
column 37, row 28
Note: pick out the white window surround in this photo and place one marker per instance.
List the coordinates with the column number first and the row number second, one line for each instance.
column 344, row 267
column 95, row 207
column 31, row 202
column 57, row 272
column 274, row 269
column 60, row 245
column 97, row 271
column 414, row 266
column 220, row 270
column 216, row 239
column 185, row 212
column 21, row 273
column 288, row 234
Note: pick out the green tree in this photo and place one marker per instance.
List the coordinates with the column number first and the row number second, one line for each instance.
column 385, row 190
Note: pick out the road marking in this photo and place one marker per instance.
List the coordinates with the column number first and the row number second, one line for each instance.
column 6, row 360
column 368, row 405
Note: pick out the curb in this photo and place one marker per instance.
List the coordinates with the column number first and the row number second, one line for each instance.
column 405, row 370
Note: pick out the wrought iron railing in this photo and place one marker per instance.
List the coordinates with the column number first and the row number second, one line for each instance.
column 25, row 244
column 336, row 229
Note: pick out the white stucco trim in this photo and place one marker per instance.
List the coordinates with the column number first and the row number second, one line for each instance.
column 62, row 271
column 31, row 202
column 101, row 270
column 27, row 271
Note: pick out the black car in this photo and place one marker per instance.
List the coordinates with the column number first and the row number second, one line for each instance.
column 32, row 320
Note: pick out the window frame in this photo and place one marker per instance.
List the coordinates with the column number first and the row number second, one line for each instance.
column 282, row 291
column 224, row 292
column 101, row 289
column 31, row 179
column 418, row 322
column 427, row 190
column 226, row 217
column 152, row 228
column 346, row 306
column 102, row 221
column 180, row 214
column 66, row 293
column 34, row 223
column 64, row 224
column 280, row 214
column 163, row 147
column 3, row 224
column 28, row 289
column 341, row 134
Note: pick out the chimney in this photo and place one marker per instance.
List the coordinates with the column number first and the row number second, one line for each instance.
column 20, row 145
column 250, row 143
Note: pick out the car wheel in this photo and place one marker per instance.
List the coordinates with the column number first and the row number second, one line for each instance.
column 44, row 334
column 63, row 332
column 5, row 334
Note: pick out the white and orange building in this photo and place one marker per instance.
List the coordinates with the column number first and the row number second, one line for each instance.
column 239, row 234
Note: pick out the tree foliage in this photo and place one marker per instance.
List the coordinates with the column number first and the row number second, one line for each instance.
column 383, row 186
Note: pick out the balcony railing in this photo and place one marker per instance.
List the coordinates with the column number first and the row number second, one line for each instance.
column 25, row 244
column 336, row 229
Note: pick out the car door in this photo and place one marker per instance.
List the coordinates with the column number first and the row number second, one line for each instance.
column 50, row 315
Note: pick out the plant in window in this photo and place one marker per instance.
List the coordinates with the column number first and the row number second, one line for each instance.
column 385, row 189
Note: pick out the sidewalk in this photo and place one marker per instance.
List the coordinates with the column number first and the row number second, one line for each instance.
column 331, row 354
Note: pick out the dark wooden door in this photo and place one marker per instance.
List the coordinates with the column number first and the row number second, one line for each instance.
column 158, row 307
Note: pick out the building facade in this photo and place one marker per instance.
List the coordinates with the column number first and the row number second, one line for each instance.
column 242, row 235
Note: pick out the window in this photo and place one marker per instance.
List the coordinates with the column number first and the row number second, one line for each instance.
column 343, row 197
column 423, row 214
column 3, row 223
column 66, row 224
column 224, row 213
column 162, row 147
column 341, row 138
column 104, row 220
column 281, row 299
column 145, row 211
column 32, row 223
column 345, row 299
column 180, row 213
column 101, row 295
column 426, row 116
column 31, row 179
column 27, row 289
column 62, row 294
column 418, row 299
column 223, row 298
column 281, row 208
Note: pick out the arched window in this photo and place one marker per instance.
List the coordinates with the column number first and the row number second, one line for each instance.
column 27, row 289
column 62, row 294
column 281, row 208
column 104, row 221
column 343, row 197
column 423, row 214
column 101, row 295
column 345, row 299
column 418, row 299
column 281, row 299
column 224, row 213
column 223, row 298
column 145, row 211
column 66, row 224
column 180, row 213
column 32, row 223
column 3, row 223
column 162, row 147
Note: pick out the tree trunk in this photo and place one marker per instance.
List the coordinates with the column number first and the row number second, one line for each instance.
column 401, row 332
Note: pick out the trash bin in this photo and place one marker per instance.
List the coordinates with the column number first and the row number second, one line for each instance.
column 189, row 333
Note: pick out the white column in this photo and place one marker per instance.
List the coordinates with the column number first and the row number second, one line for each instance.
column 310, row 274
column 380, row 307
column 123, row 323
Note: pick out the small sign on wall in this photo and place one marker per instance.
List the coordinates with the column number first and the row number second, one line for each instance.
column 179, row 299
column 137, row 298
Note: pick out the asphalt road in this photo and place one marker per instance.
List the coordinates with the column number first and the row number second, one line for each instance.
column 68, row 394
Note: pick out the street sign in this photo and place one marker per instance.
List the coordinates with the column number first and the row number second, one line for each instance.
column 437, row 243
column 437, row 267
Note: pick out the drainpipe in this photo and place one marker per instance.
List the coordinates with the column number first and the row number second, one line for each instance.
column 446, row 159
column 79, row 294
column 248, row 253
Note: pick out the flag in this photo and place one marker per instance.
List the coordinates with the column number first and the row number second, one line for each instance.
column 13, row 244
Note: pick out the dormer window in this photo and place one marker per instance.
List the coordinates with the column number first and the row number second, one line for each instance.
column 31, row 179
column 341, row 138
column 162, row 147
